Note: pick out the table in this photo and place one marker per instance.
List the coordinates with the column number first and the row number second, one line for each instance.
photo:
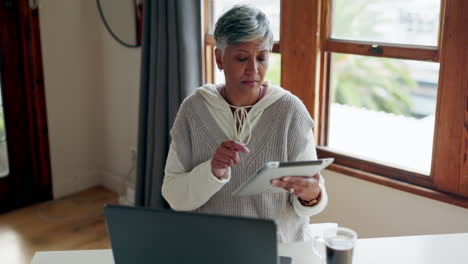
column 427, row 249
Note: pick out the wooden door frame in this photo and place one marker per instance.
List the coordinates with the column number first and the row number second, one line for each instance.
column 37, row 112
column 31, row 86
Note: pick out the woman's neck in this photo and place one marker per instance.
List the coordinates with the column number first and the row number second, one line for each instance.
column 242, row 98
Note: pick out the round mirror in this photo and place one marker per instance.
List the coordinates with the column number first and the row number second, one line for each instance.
column 122, row 19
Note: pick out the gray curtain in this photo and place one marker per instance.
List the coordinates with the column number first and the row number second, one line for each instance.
column 171, row 69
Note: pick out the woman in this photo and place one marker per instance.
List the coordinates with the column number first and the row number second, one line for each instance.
column 223, row 134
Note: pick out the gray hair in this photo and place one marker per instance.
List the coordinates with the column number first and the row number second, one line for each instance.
column 242, row 23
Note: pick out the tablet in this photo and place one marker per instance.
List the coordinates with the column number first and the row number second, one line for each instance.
column 261, row 182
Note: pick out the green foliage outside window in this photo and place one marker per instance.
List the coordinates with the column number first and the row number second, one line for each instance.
column 274, row 70
column 374, row 83
column 378, row 84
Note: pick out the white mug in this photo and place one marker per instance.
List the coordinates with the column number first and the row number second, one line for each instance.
column 338, row 244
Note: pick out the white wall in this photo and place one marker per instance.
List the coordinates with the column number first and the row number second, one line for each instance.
column 72, row 70
column 375, row 210
column 121, row 76
column 91, row 85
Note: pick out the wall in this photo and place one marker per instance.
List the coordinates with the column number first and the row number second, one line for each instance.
column 121, row 84
column 91, row 85
column 375, row 211
column 72, row 69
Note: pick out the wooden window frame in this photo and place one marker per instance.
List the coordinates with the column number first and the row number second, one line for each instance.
column 208, row 55
column 305, row 73
column 365, row 48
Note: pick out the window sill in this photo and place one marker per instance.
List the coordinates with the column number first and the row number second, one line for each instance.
column 399, row 185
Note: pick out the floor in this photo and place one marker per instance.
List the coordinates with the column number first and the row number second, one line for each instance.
column 71, row 223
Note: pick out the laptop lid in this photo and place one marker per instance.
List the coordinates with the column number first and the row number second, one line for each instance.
column 142, row 235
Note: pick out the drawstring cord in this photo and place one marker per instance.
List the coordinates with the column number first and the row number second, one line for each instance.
column 240, row 115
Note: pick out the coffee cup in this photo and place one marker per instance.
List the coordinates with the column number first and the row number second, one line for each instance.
column 336, row 245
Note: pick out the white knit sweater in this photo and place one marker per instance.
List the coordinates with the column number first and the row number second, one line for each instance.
column 189, row 190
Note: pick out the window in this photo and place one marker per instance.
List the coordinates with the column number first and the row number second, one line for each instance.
column 379, row 80
column 4, row 165
column 386, row 84
column 382, row 107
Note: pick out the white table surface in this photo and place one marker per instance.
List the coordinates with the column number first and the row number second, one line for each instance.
column 430, row 249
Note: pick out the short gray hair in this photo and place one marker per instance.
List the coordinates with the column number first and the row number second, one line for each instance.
column 242, row 23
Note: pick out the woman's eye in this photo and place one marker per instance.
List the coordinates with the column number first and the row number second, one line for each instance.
column 261, row 58
column 241, row 59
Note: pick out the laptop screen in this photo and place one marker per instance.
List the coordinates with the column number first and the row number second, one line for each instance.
column 142, row 235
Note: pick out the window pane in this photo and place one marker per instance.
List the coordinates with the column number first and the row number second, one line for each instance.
column 383, row 110
column 4, row 166
column 270, row 7
column 274, row 70
column 397, row 21
column 273, row 75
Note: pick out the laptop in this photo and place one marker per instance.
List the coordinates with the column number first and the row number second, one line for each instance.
column 142, row 235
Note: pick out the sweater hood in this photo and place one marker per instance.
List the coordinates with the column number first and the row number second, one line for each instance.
column 215, row 101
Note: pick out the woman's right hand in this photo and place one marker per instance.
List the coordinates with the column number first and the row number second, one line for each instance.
column 226, row 155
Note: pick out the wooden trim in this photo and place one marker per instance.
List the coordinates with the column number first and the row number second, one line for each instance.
column 206, row 17
column 209, row 40
column 322, row 105
column 450, row 156
column 35, row 96
column 464, row 152
column 325, row 22
column 276, row 47
column 139, row 22
column 300, row 59
column 24, row 108
column 408, row 52
column 209, row 64
column 19, row 187
column 442, row 17
column 376, row 168
column 402, row 186
column 206, row 65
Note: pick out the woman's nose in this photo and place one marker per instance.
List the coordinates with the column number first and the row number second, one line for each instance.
column 252, row 66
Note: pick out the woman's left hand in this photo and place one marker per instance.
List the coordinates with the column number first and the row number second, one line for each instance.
column 306, row 188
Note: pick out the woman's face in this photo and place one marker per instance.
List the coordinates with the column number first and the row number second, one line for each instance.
column 244, row 65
